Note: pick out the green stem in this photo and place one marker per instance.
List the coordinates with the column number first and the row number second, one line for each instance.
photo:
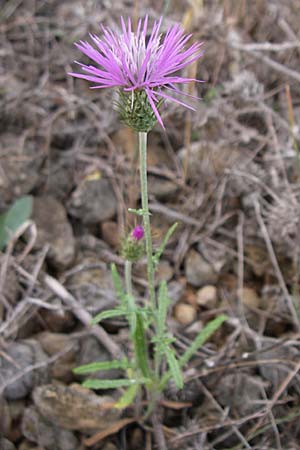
column 150, row 264
column 146, row 215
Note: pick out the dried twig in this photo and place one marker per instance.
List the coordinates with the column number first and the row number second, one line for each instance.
column 270, row 62
column 78, row 310
column 276, row 396
column 276, row 265
column 158, row 432
column 33, row 367
column 268, row 46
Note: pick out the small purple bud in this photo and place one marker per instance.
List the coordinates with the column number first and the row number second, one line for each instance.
column 137, row 233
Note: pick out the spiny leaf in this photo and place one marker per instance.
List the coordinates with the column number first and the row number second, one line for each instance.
column 163, row 303
column 131, row 313
column 174, row 367
column 140, row 346
column 108, row 314
column 12, row 219
column 159, row 251
column 113, row 384
column 128, row 397
column 117, row 283
column 102, row 365
column 202, row 337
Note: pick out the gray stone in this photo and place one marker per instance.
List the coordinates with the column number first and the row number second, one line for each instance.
column 59, row 319
column 74, row 407
column 36, row 429
column 15, row 378
column 6, row 445
column 240, row 392
column 92, row 351
column 161, row 188
column 53, row 343
column 93, row 201
column 198, row 271
column 92, row 285
column 53, row 228
column 275, row 374
column 20, row 166
column 176, row 291
column 60, row 177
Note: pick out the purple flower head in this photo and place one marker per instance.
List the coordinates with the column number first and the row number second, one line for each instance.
column 137, row 233
column 132, row 62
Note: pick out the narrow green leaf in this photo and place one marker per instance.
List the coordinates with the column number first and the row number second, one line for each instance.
column 131, row 317
column 202, row 337
column 163, row 304
column 113, row 384
column 117, row 283
column 128, row 397
column 102, row 365
column 108, row 314
column 174, row 367
column 159, row 251
column 140, row 347
column 12, row 219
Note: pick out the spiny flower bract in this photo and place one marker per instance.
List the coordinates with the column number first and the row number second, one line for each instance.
column 135, row 63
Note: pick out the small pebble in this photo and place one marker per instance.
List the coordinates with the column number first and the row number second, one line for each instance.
column 185, row 314
column 249, row 297
column 110, row 233
column 207, row 296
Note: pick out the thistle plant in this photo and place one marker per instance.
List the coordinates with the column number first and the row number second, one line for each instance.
column 144, row 69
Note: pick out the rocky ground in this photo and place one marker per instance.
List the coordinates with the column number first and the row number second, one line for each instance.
column 229, row 174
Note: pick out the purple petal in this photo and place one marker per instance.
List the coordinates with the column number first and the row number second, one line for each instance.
column 127, row 59
column 155, row 110
column 172, row 99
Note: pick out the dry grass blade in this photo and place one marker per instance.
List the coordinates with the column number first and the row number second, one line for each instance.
column 83, row 316
column 292, row 308
column 112, row 429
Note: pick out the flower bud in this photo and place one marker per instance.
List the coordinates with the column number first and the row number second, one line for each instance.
column 137, row 233
column 133, row 245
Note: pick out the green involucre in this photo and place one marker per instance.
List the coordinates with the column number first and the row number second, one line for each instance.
column 135, row 110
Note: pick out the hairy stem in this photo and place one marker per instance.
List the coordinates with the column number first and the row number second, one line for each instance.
column 154, row 395
column 146, row 216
